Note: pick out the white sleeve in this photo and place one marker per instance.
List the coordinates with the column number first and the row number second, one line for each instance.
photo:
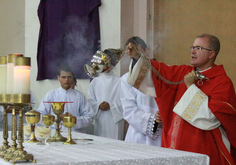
column 86, row 114
column 45, row 108
column 92, row 100
column 193, row 107
column 139, row 119
column 116, row 111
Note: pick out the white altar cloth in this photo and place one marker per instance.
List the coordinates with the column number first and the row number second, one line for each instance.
column 104, row 151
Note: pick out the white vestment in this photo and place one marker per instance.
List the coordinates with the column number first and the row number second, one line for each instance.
column 139, row 112
column 108, row 123
column 79, row 108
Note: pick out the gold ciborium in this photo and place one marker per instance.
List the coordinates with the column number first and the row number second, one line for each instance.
column 69, row 121
column 58, row 109
column 32, row 117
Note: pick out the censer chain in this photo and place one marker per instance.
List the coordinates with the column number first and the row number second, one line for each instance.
column 199, row 75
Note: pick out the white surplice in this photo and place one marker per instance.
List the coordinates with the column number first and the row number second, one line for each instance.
column 108, row 123
column 139, row 112
column 79, row 108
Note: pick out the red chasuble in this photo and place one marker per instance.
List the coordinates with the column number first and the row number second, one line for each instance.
column 181, row 135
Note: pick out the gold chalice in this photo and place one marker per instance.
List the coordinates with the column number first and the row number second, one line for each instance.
column 48, row 119
column 32, row 117
column 58, row 109
column 69, row 121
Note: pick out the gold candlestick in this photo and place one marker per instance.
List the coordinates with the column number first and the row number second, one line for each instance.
column 69, row 121
column 15, row 152
column 32, row 117
column 20, row 153
column 5, row 146
column 58, row 109
column 9, row 154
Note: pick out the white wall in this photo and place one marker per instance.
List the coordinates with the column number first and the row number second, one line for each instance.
column 12, row 27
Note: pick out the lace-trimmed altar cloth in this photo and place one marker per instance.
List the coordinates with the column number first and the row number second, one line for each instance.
column 105, row 151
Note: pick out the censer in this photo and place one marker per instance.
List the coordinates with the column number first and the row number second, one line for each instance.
column 103, row 61
column 106, row 60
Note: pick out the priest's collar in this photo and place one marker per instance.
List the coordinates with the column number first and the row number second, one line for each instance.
column 204, row 69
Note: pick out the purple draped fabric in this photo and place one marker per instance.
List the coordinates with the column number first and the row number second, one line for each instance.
column 69, row 34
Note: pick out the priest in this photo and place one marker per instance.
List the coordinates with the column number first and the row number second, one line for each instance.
column 197, row 103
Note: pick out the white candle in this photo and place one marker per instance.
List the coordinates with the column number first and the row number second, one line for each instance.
column 3, row 74
column 10, row 72
column 10, row 78
column 21, row 79
column 22, row 75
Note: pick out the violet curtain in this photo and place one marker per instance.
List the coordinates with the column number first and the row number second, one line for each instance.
column 69, row 34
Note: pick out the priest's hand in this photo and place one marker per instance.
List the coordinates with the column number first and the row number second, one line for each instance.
column 130, row 50
column 189, row 78
column 104, row 106
column 158, row 117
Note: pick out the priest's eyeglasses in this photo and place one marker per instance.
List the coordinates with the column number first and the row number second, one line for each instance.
column 198, row 48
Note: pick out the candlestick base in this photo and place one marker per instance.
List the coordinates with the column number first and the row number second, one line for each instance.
column 3, row 150
column 9, row 153
column 22, row 155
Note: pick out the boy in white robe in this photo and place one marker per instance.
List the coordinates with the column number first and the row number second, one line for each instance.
column 104, row 96
column 139, row 112
column 80, row 106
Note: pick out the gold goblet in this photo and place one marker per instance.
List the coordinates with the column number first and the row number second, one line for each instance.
column 48, row 119
column 32, row 117
column 69, row 121
column 58, row 109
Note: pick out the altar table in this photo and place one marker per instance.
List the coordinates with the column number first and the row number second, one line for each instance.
column 105, row 151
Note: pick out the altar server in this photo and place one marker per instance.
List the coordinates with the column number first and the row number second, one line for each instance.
column 139, row 112
column 104, row 96
column 79, row 107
